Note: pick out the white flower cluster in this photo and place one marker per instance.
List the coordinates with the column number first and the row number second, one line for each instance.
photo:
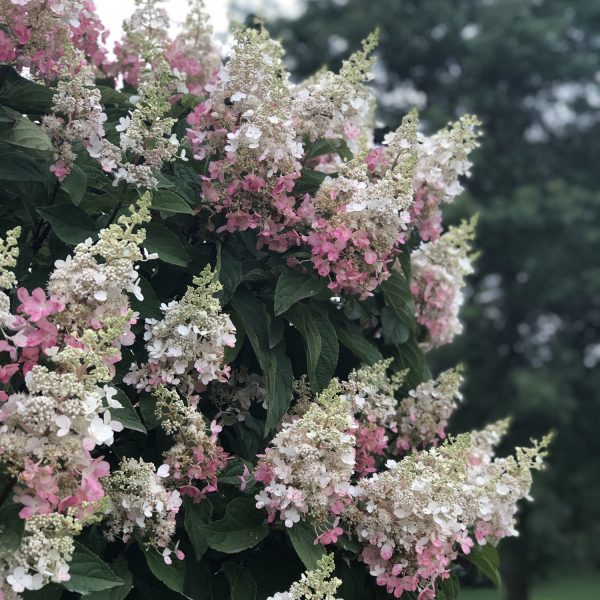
column 308, row 465
column 94, row 282
column 338, row 106
column 423, row 415
column 252, row 102
column 140, row 505
column 371, row 394
column 444, row 158
column 43, row 557
column 186, row 347
column 9, row 251
column 77, row 114
column 418, row 512
column 316, row 584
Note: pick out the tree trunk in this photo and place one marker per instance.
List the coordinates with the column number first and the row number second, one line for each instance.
column 515, row 569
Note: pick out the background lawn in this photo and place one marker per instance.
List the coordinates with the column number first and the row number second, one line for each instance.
column 585, row 587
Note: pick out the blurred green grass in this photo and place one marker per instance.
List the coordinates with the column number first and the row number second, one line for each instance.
column 585, row 587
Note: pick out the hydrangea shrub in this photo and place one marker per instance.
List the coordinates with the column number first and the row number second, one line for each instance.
column 216, row 292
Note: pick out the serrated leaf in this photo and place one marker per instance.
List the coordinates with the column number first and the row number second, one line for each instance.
column 119, row 592
column 167, row 244
column 170, row 202
column 173, row 575
column 293, row 286
column 69, row 223
column 11, row 528
column 127, row 415
column 89, row 573
column 486, row 559
column 25, row 134
column 449, row 588
column 242, row 527
column 242, row 585
column 303, row 535
column 196, row 516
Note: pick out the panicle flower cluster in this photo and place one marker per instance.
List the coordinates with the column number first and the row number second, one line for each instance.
column 77, row 114
column 423, row 415
column 245, row 125
column 442, row 159
column 141, row 506
column 49, row 430
column 316, row 584
column 338, row 105
column 43, row 556
column 370, row 393
column 93, row 284
column 439, row 269
column 414, row 517
column 186, row 348
column 192, row 53
column 38, row 31
column 9, row 252
column 359, row 219
column 196, row 458
column 308, row 465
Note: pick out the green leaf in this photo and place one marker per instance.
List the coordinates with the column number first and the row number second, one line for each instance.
column 242, row 585
column 11, row 528
column 351, row 336
column 449, row 588
column 410, row 356
column 51, row 591
column 167, row 244
column 230, row 276
column 486, row 559
column 172, row 576
column 20, row 131
column 170, row 202
column 75, row 184
column 394, row 330
column 293, row 286
column 147, row 407
column 196, row 516
column 398, row 297
column 22, row 94
column 325, row 146
column 69, row 223
column 89, row 573
column 109, row 95
column 127, row 415
column 310, row 181
column 274, row 362
column 303, row 535
column 242, row 527
column 18, row 165
column 116, row 593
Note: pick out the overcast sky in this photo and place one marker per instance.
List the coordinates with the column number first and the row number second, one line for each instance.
column 114, row 12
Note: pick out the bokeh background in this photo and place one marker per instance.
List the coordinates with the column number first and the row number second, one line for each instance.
column 530, row 69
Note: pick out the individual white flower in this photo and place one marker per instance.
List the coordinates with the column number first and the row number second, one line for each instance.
column 64, row 425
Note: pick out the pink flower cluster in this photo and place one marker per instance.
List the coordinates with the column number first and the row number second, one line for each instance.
column 39, row 31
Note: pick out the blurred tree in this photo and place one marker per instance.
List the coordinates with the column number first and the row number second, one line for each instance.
column 529, row 69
